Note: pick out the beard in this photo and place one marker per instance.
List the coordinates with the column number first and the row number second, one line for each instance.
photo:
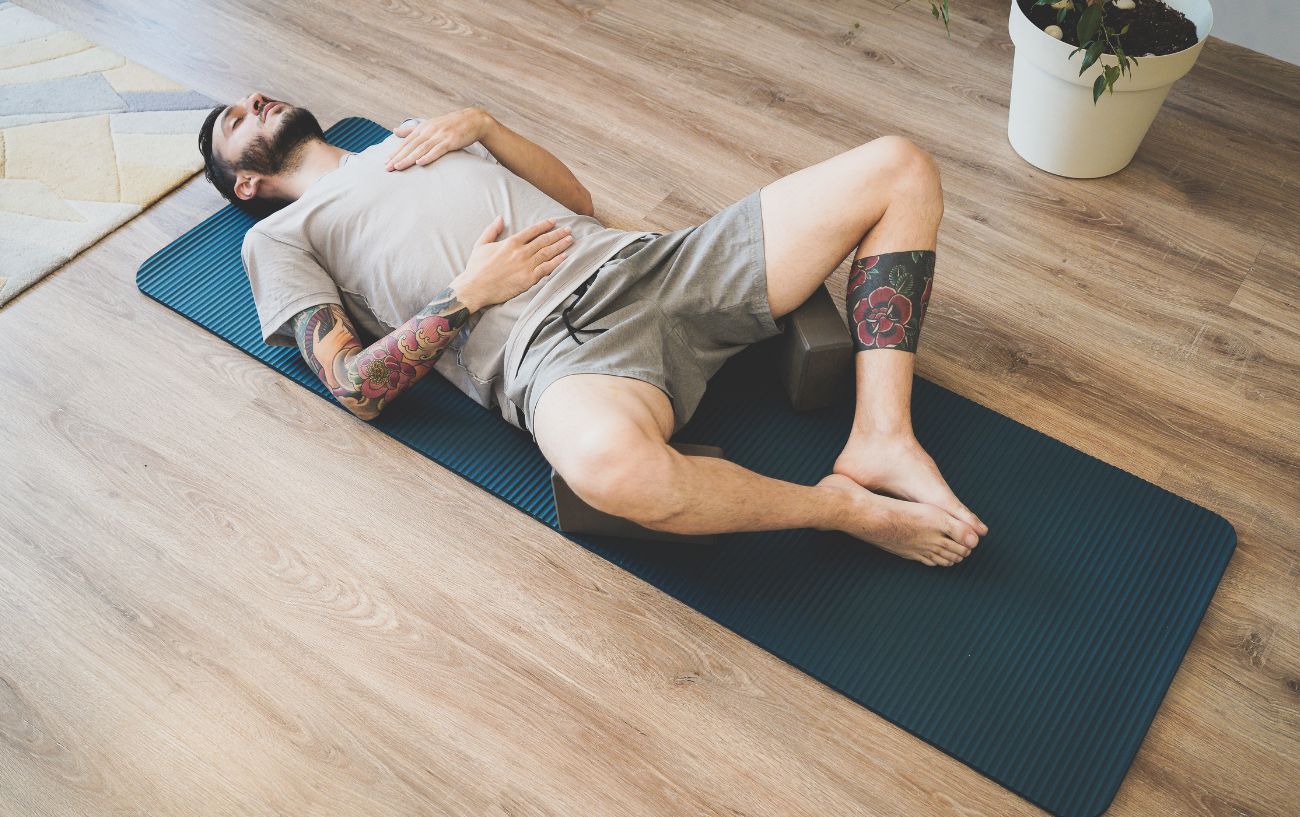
column 282, row 151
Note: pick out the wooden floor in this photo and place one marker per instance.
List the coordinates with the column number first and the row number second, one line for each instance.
column 220, row 595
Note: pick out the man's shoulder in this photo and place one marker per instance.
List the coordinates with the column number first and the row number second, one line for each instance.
column 264, row 246
column 274, row 232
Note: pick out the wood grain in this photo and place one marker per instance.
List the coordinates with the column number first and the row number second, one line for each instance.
column 218, row 596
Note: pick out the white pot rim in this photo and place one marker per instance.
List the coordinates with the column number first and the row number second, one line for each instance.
column 1053, row 55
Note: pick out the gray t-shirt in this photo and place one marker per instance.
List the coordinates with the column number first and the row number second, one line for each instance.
column 383, row 243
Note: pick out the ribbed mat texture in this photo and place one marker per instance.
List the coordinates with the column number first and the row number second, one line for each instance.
column 1039, row 661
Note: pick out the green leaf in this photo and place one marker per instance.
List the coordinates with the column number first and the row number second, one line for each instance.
column 1090, row 56
column 1098, row 85
column 1088, row 22
column 1123, row 30
column 1060, row 15
column 901, row 280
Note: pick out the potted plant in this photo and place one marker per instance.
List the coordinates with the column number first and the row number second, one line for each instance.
column 1068, row 53
column 1058, row 121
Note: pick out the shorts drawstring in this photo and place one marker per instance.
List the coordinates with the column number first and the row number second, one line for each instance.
column 580, row 291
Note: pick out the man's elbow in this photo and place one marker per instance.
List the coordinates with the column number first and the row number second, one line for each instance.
column 584, row 201
column 365, row 410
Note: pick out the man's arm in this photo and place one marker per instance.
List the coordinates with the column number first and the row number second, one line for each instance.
column 365, row 380
column 535, row 164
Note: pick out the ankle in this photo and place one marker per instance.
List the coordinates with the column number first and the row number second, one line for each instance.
column 875, row 433
column 844, row 505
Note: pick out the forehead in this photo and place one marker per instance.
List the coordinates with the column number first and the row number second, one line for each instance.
column 220, row 126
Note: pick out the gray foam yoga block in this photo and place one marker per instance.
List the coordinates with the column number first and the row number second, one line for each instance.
column 816, row 353
column 576, row 516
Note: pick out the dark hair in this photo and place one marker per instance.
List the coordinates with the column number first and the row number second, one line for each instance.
column 222, row 173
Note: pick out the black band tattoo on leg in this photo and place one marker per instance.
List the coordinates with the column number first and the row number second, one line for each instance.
column 887, row 297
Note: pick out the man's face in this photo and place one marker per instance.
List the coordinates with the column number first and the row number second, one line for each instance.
column 261, row 138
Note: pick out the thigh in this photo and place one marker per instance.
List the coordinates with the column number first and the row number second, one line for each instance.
column 813, row 218
column 581, row 413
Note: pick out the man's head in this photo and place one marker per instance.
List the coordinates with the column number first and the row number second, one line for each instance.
column 250, row 145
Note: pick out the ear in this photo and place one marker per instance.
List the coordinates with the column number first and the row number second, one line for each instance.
column 247, row 185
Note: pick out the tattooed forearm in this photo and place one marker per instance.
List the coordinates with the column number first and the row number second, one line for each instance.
column 365, row 380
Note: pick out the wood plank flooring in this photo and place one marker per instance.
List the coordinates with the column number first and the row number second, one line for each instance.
column 220, row 595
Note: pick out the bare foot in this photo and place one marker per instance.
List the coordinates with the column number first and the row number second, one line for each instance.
column 914, row 530
column 897, row 464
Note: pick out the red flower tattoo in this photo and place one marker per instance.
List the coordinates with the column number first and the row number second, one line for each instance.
column 884, row 308
column 879, row 319
column 860, row 268
column 384, row 371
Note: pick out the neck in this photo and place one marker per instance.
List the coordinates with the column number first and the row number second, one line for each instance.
column 318, row 158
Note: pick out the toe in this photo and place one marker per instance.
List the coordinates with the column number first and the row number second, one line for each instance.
column 955, row 551
column 962, row 534
column 969, row 517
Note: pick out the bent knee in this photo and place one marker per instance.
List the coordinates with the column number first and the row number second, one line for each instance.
column 622, row 474
column 906, row 161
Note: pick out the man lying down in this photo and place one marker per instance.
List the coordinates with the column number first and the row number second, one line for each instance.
column 458, row 245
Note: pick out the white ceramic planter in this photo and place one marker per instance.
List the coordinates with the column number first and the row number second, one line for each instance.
column 1053, row 123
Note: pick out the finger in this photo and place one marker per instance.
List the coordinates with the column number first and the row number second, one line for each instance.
column 529, row 233
column 547, row 267
column 403, row 146
column 393, row 163
column 432, row 155
column 417, row 149
column 404, row 151
column 548, row 238
column 549, row 250
column 941, row 559
column 491, row 231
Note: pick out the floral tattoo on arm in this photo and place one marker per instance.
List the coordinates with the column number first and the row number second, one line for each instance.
column 887, row 298
column 365, row 380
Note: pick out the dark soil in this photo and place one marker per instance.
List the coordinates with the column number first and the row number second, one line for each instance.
column 1152, row 26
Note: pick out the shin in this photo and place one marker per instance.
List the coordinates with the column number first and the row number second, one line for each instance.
column 887, row 297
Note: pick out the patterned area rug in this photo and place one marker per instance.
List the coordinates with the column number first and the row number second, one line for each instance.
column 88, row 139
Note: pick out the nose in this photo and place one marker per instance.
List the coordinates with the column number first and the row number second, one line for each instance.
column 255, row 101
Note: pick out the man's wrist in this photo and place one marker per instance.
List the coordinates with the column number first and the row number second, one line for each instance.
column 468, row 295
column 487, row 124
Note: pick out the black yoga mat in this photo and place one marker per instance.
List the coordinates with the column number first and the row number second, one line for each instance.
column 1039, row 661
